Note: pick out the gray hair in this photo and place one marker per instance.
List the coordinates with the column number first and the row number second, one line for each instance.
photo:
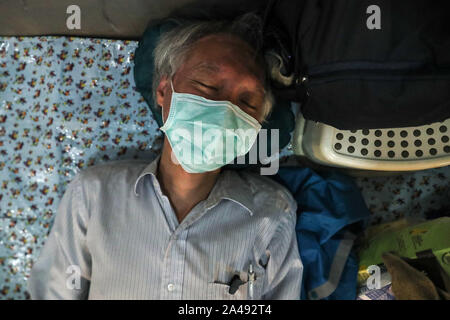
column 173, row 45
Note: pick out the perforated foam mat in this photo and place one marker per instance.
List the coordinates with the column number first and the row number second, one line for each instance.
column 391, row 149
column 426, row 142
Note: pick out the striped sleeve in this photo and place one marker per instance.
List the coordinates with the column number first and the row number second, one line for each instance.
column 284, row 270
column 63, row 268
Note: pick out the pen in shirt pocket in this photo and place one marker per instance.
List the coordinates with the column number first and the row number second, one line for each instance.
column 251, row 280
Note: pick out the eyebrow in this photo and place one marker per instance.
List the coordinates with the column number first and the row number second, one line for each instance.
column 206, row 66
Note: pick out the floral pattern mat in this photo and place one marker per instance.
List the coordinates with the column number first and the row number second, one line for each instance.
column 69, row 103
column 417, row 195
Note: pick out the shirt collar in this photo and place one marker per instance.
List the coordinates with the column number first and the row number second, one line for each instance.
column 230, row 185
column 149, row 169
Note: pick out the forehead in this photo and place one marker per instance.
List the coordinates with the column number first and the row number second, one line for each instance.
column 224, row 54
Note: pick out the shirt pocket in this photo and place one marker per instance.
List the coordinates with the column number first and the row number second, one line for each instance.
column 220, row 291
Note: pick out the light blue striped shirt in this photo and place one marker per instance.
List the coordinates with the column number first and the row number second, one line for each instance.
column 119, row 232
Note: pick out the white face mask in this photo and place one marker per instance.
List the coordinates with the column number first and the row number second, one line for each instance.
column 206, row 134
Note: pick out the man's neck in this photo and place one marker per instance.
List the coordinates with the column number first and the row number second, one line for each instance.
column 184, row 190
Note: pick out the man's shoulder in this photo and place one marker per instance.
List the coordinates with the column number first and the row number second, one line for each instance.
column 116, row 171
column 268, row 195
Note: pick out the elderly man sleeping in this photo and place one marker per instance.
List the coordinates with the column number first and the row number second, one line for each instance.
column 182, row 227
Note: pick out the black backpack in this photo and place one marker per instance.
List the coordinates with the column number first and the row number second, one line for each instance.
column 359, row 64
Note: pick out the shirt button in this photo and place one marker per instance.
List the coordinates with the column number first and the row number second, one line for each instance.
column 171, row 287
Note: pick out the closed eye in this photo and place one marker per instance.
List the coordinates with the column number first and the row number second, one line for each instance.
column 249, row 105
column 206, row 86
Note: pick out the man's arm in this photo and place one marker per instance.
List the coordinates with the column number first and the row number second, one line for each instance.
column 284, row 270
column 62, row 270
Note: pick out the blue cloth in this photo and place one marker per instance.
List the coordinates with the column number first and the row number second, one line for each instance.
column 331, row 210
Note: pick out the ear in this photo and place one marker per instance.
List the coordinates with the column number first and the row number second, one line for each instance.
column 161, row 90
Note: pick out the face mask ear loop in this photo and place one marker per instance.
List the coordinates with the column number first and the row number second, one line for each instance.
column 171, row 84
column 165, row 124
